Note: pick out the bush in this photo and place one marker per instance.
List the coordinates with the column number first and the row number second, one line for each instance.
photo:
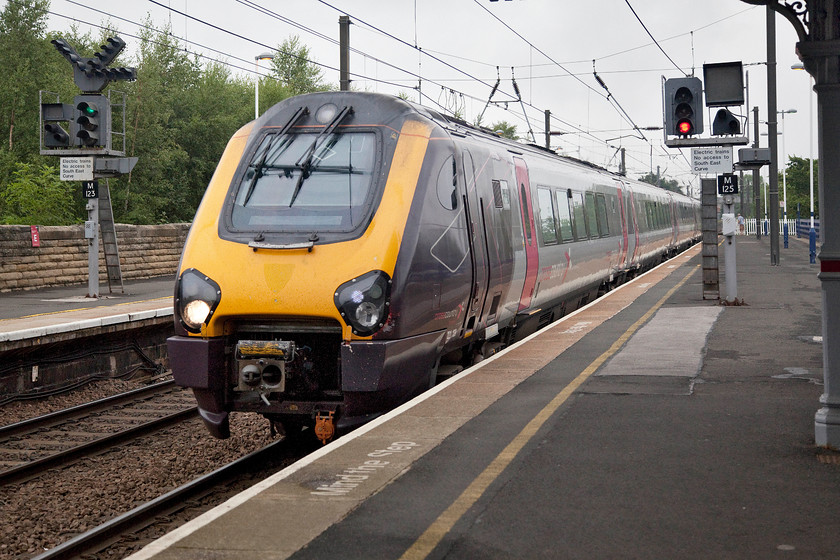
column 36, row 196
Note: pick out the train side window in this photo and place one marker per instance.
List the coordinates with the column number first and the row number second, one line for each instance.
column 579, row 216
column 628, row 205
column 523, row 196
column 591, row 215
column 564, row 216
column 505, row 194
column 497, row 193
column 640, row 215
column 601, row 211
column 547, row 225
column 447, row 184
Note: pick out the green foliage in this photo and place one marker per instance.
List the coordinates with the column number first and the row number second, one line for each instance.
column 272, row 92
column 505, row 130
column 667, row 184
column 155, row 191
column 24, row 52
column 179, row 116
column 293, row 68
column 36, row 196
column 797, row 175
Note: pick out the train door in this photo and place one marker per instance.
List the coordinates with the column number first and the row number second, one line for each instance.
column 477, row 234
column 675, row 221
column 632, row 228
column 622, row 249
column 523, row 188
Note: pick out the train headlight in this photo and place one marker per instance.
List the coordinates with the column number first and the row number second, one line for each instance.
column 197, row 297
column 196, row 312
column 364, row 301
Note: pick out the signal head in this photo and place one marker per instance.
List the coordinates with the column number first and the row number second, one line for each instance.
column 53, row 117
column 683, row 106
column 685, row 127
column 93, row 121
column 725, row 123
column 88, row 109
column 56, row 136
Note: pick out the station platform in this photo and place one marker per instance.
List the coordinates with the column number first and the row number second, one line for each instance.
column 60, row 313
column 649, row 424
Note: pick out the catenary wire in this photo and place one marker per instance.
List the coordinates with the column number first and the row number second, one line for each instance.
column 629, row 5
column 577, row 130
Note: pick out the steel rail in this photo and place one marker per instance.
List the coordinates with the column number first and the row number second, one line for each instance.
column 33, row 468
column 92, row 407
column 97, row 538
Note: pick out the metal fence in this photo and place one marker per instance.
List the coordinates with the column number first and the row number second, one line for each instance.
column 800, row 227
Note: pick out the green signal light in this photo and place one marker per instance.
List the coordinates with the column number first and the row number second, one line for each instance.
column 88, row 110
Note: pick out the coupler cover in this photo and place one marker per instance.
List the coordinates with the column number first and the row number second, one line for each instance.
column 262, row 364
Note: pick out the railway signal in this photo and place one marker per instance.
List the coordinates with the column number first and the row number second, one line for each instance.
column 90, row 136
column 52, row 117
column 725, row 123
column 683, row 106
column 92, row 74
column 92, row 120
column 724, row 88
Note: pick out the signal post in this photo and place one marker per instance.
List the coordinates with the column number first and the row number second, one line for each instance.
column 683, row 109
column 83, row 134
column 727, row 186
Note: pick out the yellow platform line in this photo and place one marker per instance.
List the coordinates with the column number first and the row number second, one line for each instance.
column 427, row 542
column 164, row 298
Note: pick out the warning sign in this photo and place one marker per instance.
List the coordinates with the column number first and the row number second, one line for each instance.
column 714, row 159
column 77, row 168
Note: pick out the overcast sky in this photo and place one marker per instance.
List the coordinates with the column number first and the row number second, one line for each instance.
column 550, row 44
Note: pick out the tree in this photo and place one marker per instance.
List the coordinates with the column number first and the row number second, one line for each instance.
column 797, row 177
column 23, row 54
column 272, row 91
column 667, row 184
column 31, row 64
column 505, row 130
column 295, row 70
column 179, row 115
column 156, row 190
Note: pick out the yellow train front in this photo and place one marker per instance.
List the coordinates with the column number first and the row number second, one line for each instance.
column 352, row 246
column 286, row 302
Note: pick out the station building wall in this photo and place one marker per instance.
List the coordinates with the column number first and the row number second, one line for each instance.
column 62, row 258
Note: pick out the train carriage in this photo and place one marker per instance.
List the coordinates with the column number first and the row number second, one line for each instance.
column 352, row 246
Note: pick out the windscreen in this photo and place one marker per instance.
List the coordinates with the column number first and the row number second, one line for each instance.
column 307, row 183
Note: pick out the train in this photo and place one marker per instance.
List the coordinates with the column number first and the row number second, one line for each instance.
column 352, row 247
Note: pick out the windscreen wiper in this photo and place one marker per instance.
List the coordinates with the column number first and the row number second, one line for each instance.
column 305, row 161
column 260, row 164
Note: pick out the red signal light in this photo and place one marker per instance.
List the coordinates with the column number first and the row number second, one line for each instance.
column 685, row 127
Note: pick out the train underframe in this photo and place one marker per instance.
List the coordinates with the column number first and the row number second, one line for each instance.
column 299, row 378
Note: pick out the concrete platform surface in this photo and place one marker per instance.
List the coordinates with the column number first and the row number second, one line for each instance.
column 651, row 424
column 30, row 314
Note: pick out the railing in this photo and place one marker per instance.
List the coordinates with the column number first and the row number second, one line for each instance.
column 803, row 227
column 800, row 227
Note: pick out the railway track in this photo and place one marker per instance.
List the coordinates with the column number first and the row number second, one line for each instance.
column 33, row 446
column 124, row 532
